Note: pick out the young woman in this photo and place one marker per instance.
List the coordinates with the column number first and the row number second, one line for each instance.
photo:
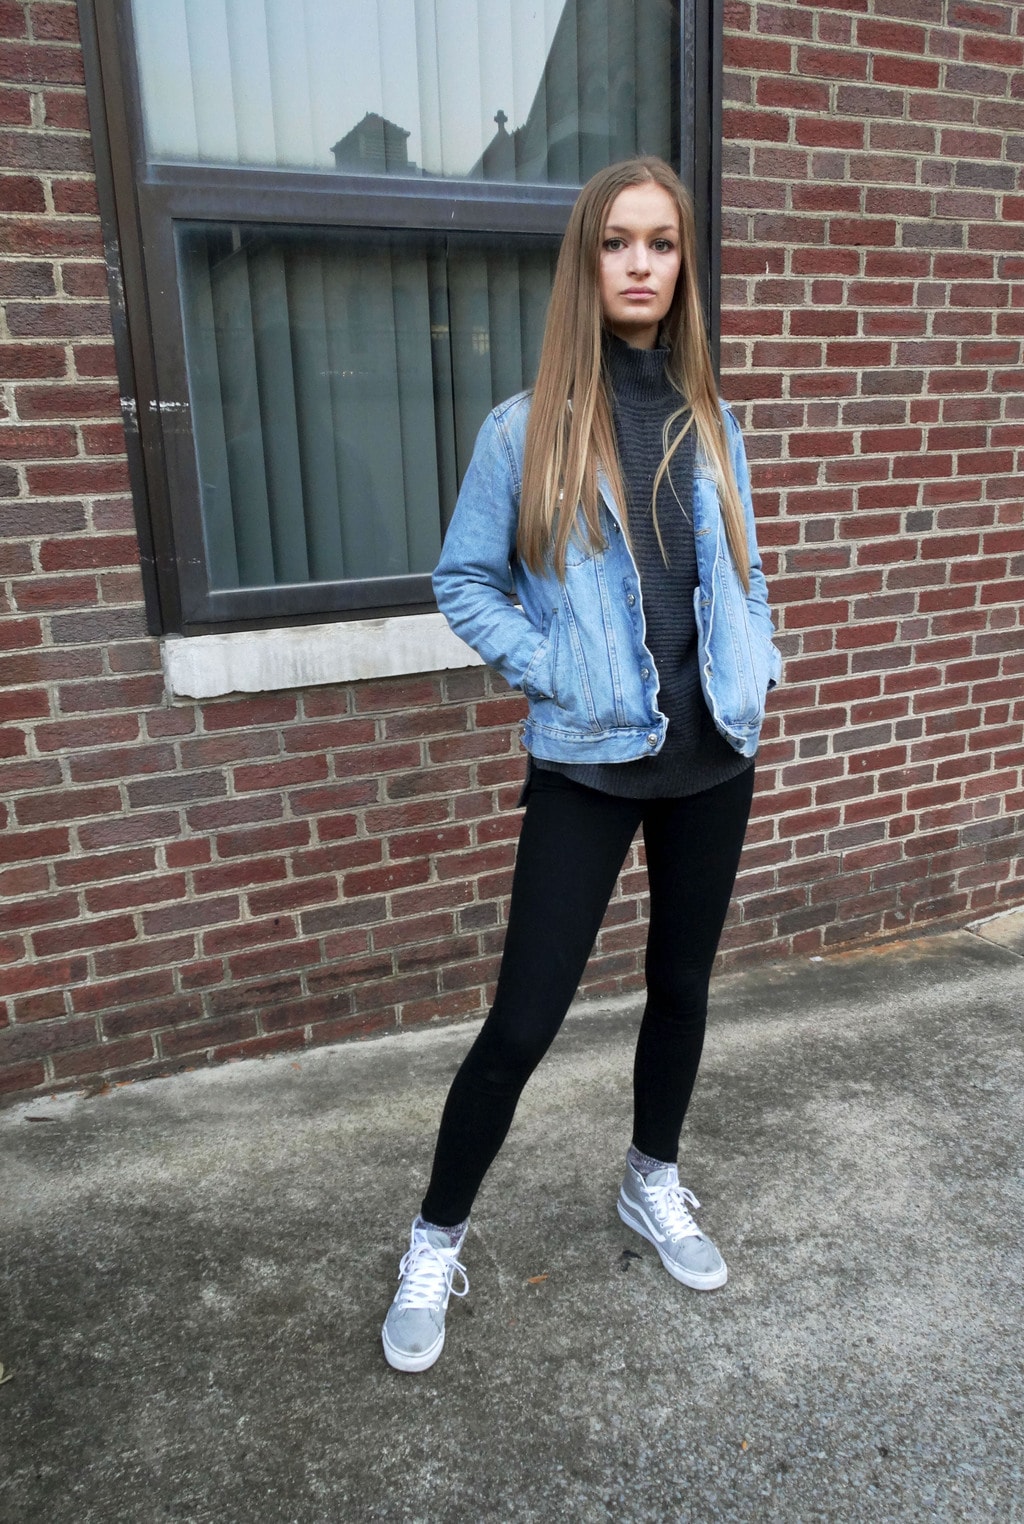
column 602, row 557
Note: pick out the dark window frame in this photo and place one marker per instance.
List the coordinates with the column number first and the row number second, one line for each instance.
column 139, row 205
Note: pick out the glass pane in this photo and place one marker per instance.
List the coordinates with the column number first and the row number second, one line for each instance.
column 337, row 383
column 474, row 89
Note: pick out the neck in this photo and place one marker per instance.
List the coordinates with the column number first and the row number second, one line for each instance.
column 636, row 375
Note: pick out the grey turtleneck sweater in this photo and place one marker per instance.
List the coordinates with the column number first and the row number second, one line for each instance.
column 694, row 757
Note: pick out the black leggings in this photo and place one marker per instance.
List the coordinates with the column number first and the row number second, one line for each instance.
column 572, row 845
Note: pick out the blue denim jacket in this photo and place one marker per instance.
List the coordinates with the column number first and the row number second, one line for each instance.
column 577, row 648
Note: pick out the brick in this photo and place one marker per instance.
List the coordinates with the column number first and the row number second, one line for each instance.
column 20, row 1079
column 37, row 64
column 46, row 153
column 57, row 319
column 781, row 21
column 95, row 359
column 45, row 1037
column 66, row 804
column 91, row 869
column 231, row 746
column 253, row 808
column 382, row 879
column 757, row 53
column 334, row 735
column 21, row 361
column 13, row 19
column 175, row 788
column 890, row 36
column 83, row 935
column 292, row 896
column 62, row 735
column 441, row 780
column 103, row 438
column 84, row 278
column 331, row 797
column 332, row 828
column 277, row 709
column 295, row 955
column 52, row 237
column 111, row 693
column 109, row 1058
column 37, row 442
column 259, row 1047
column 15, row 108
column 283, row 837
column 21, row 193
column 22, row 846
column 280, row 775
column 1004, row 52
column 829, row 132
column 127, row 831
column 771, row 162
column 50, row 1005
column 130, row 893
column 171, row 722
column 827, row 63
column 67, row 109
column 396, row 694
column 792, row 94
column 54, row 23
column 760, row 126
column 190, row 915
column 76, row 197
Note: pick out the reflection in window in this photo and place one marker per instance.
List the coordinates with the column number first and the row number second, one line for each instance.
column 337, row 385
column 481, row 89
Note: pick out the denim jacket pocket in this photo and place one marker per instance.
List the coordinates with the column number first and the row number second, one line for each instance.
column 539, row 677
column 734, row 670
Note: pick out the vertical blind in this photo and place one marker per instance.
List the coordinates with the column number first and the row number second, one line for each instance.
column 482, row 89
column 337, row 383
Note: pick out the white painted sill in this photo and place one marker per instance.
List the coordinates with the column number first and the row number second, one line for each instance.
column 302, row 656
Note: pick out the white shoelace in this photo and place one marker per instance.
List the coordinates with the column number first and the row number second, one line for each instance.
column 428, row 1277
column 671, row 1209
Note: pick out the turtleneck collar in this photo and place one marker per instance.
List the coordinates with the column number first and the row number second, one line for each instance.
column 637, row 376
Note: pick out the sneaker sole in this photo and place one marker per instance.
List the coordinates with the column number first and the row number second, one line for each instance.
column 709, row 1280
column 400, row 1361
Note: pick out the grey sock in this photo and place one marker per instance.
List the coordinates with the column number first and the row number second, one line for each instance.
column 644, row 1164
column 452, row 1234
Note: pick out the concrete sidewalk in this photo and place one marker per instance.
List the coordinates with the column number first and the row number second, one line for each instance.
column 195, row 1271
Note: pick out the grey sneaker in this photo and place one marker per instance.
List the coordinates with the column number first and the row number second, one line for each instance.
column 658, row 1209
column 413, row 1331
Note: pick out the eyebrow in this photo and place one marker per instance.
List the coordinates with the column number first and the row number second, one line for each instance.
column 666, row 227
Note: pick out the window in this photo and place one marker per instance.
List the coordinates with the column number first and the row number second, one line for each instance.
column 337, row 224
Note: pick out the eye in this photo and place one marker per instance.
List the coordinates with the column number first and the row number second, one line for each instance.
column 613, row 244
column 663, row 245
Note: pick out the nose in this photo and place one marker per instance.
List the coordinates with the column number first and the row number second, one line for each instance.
column 639, row 263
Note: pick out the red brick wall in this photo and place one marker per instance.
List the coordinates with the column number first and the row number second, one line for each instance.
column 182, row 883
column 874, row 248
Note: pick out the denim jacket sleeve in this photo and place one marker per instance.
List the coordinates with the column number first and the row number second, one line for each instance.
column 473, row 580
column 757, row 597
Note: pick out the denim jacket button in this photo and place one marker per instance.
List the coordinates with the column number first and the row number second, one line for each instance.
column 652, row 740
column 631, row 599
column 645, row 673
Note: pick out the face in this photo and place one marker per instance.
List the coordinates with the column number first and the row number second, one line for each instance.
column 640, row 259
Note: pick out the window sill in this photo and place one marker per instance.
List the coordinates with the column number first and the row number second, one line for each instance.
column 301, row 656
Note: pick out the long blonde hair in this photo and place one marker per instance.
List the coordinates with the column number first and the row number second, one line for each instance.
column 570, row 432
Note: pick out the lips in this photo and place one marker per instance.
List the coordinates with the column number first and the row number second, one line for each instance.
column 638, row 291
